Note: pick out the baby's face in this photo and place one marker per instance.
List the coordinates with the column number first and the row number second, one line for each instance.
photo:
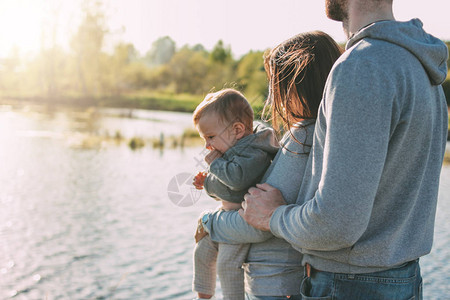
column 217, row 135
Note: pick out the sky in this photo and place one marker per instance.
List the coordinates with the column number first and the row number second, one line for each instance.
column 243, row 25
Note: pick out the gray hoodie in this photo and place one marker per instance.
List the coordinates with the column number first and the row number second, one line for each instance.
column 242, row 166
column 368, row 200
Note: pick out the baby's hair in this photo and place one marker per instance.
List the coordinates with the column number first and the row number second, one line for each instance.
column 230, row 106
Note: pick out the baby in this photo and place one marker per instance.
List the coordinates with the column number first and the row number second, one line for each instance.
column 238, row 158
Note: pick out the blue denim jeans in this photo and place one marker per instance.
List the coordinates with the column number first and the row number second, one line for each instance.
column 293, row 297
column 401, row 283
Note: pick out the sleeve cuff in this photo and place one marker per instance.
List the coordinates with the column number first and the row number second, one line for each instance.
column 275, row 223
column 205, row 218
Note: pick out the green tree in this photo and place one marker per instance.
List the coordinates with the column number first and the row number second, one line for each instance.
column 220, row 53
column 221, row 67
column 160, row 79
column 251, row 74
column 87, row 44
column 187, row 70
column 199, row 48
column 52, row 71
column 161, row 52
column 119, row 65
column 11, row 82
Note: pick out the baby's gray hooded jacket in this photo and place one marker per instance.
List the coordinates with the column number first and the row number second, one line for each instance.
column 242, row 166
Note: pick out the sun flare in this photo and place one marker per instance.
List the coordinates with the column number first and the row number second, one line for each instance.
column 20, row 27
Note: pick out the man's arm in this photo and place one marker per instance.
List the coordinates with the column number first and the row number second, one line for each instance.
column 358, row 113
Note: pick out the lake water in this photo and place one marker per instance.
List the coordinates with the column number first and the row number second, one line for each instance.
column 98, row 220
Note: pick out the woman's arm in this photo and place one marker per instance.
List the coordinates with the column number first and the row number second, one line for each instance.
column 229, row 227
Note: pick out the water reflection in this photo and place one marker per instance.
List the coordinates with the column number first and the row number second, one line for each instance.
column 97, row 223
column 90, row 222
column 95, row 128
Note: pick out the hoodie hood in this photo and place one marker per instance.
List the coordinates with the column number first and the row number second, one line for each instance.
column 263, row 138
column 429, row 50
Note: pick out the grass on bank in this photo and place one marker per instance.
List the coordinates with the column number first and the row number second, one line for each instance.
column 154, row 101
column 165, row 101
column 138, row 100
column 188, row 138
column 144, row 99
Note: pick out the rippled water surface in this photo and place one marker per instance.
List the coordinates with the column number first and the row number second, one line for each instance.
column 81, row 222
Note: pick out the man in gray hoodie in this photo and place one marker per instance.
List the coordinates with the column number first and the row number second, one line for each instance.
column 365, row 213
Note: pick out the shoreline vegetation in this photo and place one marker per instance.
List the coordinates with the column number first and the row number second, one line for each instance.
column 175, row 103
column 189, row 138
column 89, row 111
column 150, row 101
column 179, row 103
column 165, row 102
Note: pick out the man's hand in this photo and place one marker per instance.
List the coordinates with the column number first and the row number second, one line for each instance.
column 259, row 205
column 212, row 155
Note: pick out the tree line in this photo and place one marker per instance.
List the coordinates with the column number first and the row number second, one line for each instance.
column 88, row 72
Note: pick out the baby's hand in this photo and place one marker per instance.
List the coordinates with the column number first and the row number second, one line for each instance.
column 212, row 155
column 199, row 180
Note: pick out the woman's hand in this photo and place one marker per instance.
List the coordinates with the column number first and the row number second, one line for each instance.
column 259, row 204
column 199, row 180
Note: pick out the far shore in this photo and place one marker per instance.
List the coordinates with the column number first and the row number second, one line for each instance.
column 176, row 103
column 166, row 103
